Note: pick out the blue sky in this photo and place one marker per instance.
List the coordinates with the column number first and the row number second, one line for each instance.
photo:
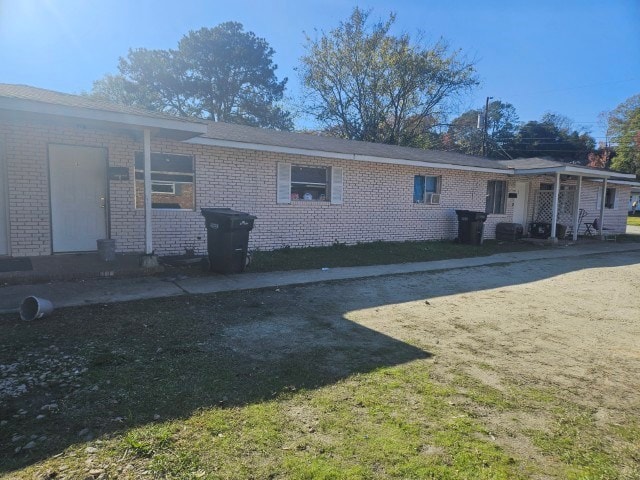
column 577, row 58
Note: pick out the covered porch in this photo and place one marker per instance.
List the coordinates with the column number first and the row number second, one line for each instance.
column 573, row 200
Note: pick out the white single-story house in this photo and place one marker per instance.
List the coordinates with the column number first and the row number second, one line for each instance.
column 74, row 170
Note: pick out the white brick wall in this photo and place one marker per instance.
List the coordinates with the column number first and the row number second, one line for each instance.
column 378, row 198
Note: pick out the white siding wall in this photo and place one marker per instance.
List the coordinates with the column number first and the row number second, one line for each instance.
column 614, row 219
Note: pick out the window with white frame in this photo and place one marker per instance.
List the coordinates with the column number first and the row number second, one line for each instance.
column 306, row 183
column 172, row 181
column 309, row 183
column 496, row 197
column 426, row 189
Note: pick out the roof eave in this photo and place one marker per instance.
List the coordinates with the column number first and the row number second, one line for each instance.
column 178, row 129
column 341, row 156
column 633, row 185
column 573, row 170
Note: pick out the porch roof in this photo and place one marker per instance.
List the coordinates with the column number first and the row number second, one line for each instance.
column 26, row 101
column 545, row 166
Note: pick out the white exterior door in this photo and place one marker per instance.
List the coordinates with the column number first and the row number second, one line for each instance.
column 4, row 241
column 78, row 182
column 521, row 203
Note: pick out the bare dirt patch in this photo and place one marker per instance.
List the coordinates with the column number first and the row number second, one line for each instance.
column 518, row 339
column 527, row 334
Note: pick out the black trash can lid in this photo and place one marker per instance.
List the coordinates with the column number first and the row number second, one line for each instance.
column 479, row 216
column 224, row 211
column 470, row 215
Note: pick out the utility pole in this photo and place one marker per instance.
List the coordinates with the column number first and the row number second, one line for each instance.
column 485, row 127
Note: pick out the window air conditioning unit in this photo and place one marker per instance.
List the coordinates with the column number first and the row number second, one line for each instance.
column 432, row 198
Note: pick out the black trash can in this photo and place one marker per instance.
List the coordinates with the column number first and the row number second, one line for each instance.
column 227, row 238
column 470, row 226
column 509, row 232
column 543, row 230
column 540, row 230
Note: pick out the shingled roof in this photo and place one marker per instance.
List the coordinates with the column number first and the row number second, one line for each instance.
column 51, row 97
column 241, row 136
column 321, row 143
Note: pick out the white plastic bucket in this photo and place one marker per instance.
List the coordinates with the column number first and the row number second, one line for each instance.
column 33, row 308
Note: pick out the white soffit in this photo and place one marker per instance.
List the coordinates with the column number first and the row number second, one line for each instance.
column 633, row 185
column 573, row 170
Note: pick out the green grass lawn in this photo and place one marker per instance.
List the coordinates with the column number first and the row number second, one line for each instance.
column 382, row 253
column 376, row 253
column 153, row 389
column 634, row 220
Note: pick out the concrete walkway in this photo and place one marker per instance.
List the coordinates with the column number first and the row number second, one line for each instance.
column 109, row 290
column 633, row 230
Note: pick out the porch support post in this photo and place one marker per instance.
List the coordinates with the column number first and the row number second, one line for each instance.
column 554, row 214
column 148, row 242
column 576, row 212
column 602, row 199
